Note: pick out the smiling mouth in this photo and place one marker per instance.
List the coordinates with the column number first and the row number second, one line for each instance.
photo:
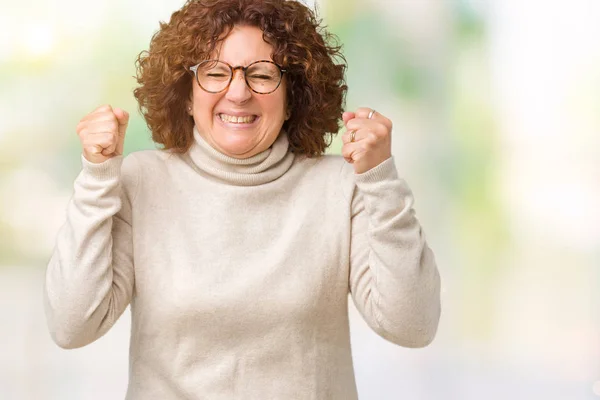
column 232, row 119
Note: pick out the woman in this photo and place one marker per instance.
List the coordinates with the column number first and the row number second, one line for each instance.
column 238, row 243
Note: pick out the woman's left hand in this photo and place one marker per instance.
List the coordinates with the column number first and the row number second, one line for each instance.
column 372, row 141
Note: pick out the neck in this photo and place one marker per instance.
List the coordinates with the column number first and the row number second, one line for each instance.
column 259, row 169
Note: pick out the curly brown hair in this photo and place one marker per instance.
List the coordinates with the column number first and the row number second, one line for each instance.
column 316, row 88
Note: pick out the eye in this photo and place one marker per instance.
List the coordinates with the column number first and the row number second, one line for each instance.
column 262, row 77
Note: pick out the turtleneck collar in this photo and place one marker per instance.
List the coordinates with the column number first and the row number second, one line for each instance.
column 261, row 168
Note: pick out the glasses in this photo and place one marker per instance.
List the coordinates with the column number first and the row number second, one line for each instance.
column 261, row 76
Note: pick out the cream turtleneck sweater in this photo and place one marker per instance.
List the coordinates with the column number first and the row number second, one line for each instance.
column 238, row 271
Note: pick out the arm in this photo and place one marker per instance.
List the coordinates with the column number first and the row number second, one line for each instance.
column 90, row 277
column 394, row 280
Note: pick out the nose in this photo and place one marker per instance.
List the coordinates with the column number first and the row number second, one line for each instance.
column 238, row 91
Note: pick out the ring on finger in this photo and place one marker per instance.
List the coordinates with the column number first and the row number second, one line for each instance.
column 352, row 136
column 371, row 114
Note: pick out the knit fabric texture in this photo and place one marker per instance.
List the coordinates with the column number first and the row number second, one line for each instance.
column 238, row 272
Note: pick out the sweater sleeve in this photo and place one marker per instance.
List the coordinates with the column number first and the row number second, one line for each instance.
column 89, row 278
column 394, row 280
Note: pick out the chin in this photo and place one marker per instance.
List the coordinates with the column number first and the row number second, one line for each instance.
column 239, row 150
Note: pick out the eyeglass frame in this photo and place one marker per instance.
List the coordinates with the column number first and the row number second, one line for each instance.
column 194, row 69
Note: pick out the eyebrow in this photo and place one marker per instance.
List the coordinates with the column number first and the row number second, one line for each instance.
column 246, row 63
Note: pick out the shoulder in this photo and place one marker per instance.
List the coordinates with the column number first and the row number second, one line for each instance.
column 332, row 169
column 148, row 158
column 147, row 162
column 141, row 166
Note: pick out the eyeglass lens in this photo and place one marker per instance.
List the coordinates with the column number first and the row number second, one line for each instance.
column 262, row 77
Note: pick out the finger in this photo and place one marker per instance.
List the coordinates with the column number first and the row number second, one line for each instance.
column 111, row 144
column 94, row 150
column 358, row 154
column 347, row 137
column 376, row 127
column 111, row 148
column 352, row 118
column 91, row 120
column 104, row 125
column 349, row 149
column 353, row 152
column 102, row 113
column 362, row 113
column 123, row 120
column 102, row 108
column 122, row 117
column 364, row 134
column 105, row 140
column 347, row 116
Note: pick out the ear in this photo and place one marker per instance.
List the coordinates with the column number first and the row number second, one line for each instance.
column 189, row 110
column 288, row 114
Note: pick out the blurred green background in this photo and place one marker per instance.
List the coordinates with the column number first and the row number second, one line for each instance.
column 496, row 111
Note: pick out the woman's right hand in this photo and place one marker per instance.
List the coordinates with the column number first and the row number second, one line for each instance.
column 102, row 133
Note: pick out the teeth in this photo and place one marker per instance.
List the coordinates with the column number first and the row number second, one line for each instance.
column 237, row 120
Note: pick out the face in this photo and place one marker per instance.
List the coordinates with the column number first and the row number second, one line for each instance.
column 263, row 114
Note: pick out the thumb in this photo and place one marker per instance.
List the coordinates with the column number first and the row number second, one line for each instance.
column 347, row 116
column 123, row 118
